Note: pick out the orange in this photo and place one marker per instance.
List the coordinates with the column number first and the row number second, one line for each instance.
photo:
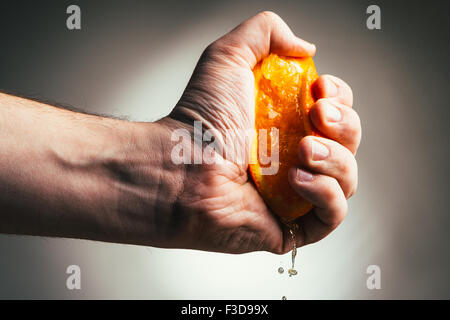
column 283, row 99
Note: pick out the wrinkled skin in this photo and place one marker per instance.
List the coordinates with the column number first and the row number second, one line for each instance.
column 219, row 208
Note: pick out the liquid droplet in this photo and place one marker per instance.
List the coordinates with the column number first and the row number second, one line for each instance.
column 292, row 272
column 293, row 227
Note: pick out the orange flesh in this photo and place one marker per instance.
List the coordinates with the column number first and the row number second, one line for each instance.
column 283, row 99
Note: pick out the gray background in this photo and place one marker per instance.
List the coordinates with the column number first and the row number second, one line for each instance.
column 133, row 59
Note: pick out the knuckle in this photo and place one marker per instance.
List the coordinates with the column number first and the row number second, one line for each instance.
column 351, row 129
column 352, row 190
column 345, row 169
column 355, row 120
column 346, row 161
column 330, row 194
column 338, row 215
column 340, row 211
column 336, row 204
column 333, row 193
column 354, row 132
column 351, row 178
column 346, row 90
column 269, row 15
column 347, row 165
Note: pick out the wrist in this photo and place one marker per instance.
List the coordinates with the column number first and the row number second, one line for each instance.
column 116, row 183
column 145, row 184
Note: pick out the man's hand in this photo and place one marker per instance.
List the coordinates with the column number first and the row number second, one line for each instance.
column 73, row 175
column 223, row 210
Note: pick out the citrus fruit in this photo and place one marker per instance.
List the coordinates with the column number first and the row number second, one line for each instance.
column 283, row 99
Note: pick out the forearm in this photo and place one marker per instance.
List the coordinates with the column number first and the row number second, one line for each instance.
column 73, row 175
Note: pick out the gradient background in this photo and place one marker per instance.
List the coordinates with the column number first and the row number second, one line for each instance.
column 134, row 58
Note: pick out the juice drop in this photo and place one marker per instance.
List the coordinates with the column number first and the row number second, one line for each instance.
column 293, row 227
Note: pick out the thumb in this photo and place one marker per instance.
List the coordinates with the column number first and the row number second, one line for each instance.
column 260, row 35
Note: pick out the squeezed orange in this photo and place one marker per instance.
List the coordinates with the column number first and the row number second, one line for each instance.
column 283, row 98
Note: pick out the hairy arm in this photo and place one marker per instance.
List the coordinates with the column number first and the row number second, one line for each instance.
column 69, row 174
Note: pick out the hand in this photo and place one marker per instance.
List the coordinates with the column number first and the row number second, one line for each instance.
column 219, row 209
column 68, row 174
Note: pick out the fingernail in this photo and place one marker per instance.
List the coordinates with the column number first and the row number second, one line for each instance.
column 330, row 88
column 304, row 176
column 332, row 113
column 319, row 151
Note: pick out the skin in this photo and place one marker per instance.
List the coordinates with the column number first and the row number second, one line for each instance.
column 67, row 174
